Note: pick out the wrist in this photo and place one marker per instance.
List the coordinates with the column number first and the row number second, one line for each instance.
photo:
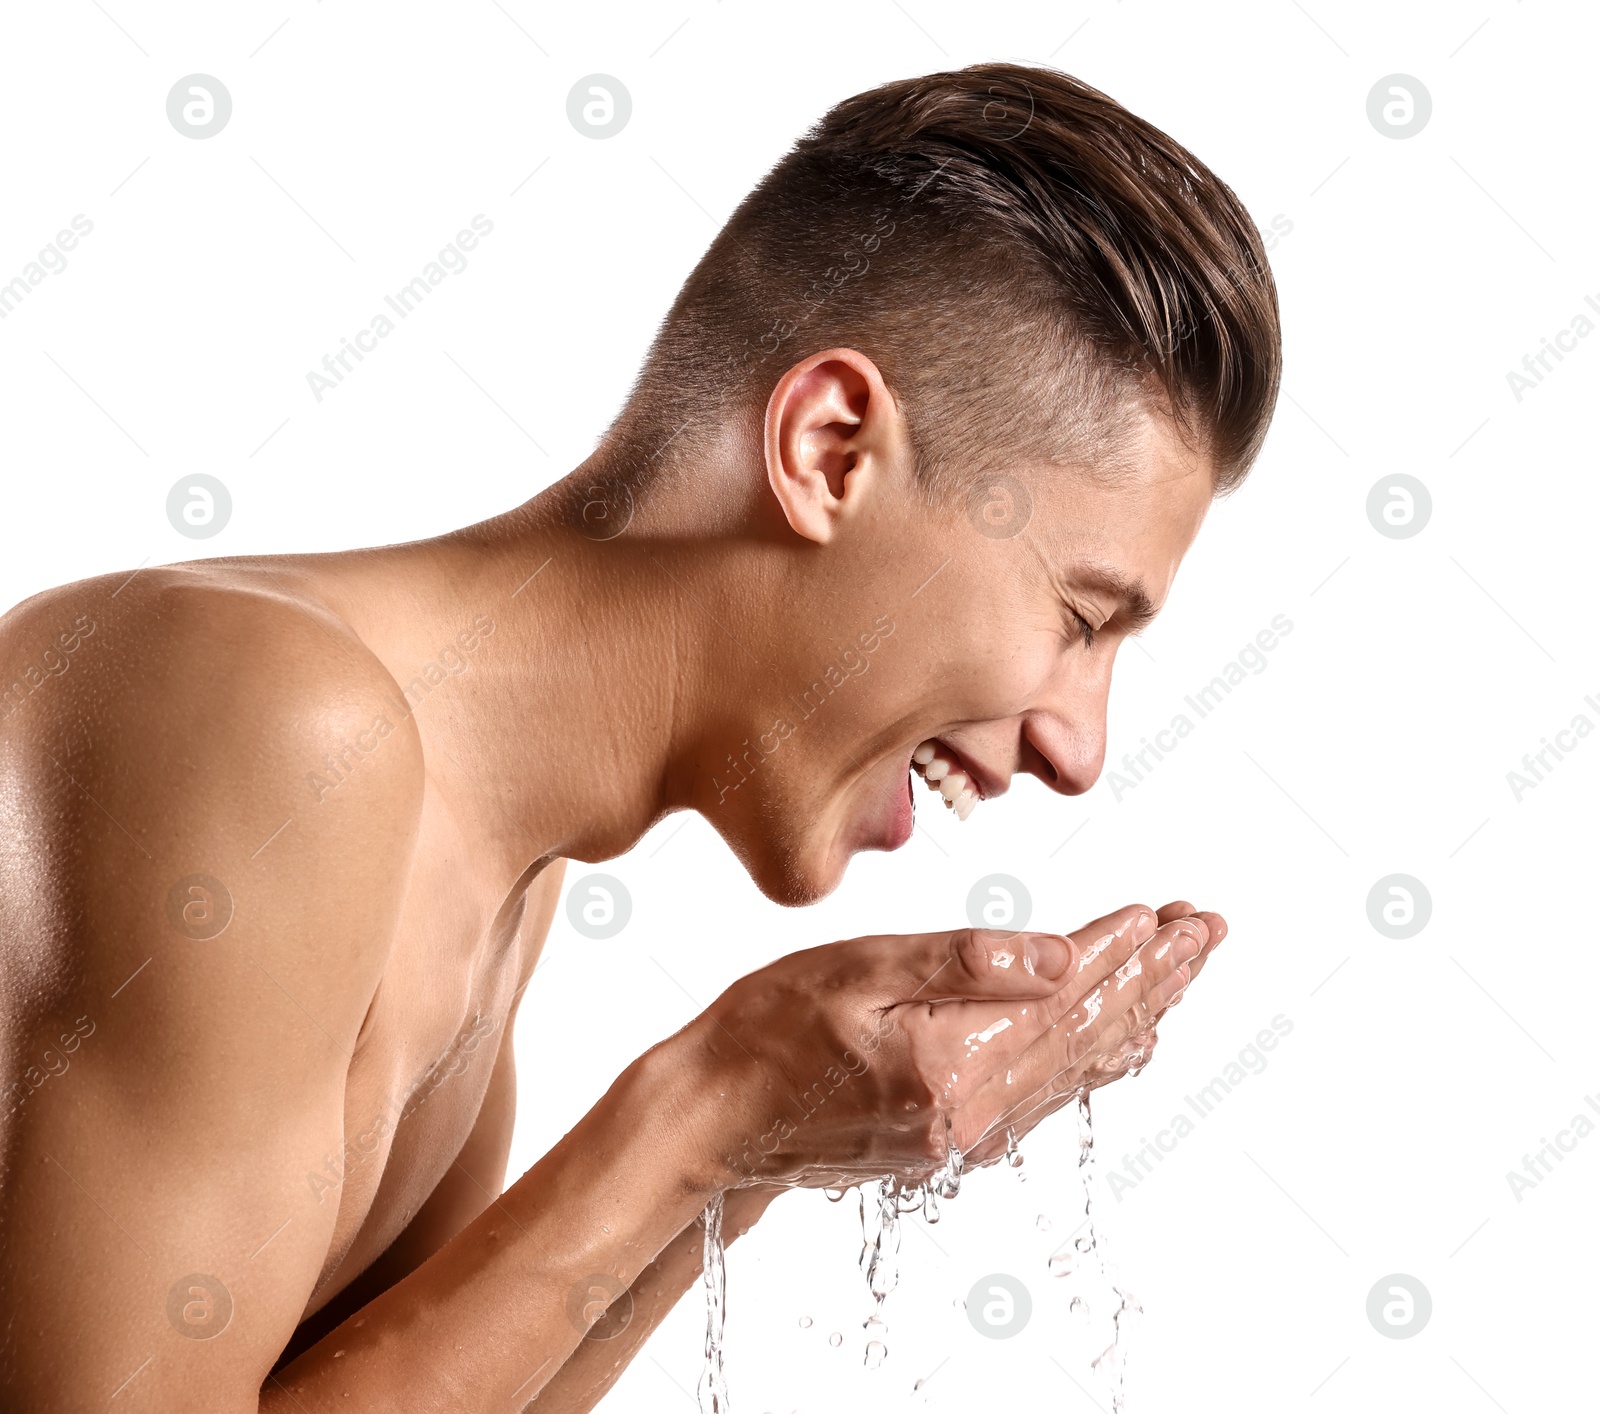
column 685, row 1081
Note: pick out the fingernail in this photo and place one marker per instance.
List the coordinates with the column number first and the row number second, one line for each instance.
column 1047, row 956
column 1187, row 946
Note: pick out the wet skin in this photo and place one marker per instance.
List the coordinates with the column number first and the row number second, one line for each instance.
column 313, row 1107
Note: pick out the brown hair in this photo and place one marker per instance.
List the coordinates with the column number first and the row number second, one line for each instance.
column 1028, row 263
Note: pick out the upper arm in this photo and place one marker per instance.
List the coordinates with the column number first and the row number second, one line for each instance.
column 189, row 940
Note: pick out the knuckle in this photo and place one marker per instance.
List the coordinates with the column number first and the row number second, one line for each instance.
column 969, row 951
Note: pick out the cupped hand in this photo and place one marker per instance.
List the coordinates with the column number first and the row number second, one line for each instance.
column 1123, row 1046
column 877, row 1055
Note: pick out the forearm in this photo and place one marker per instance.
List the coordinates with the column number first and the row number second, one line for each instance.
column 485, row 1321
column 613, row 1341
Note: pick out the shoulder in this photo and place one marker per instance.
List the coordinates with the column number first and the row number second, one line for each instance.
column 193, row 667
column 177, row 726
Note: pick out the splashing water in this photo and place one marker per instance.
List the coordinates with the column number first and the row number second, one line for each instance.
column 880, row 1237
column 879, row 1261
column 1069, row 1259
column 880, row 1249
column 948, row 1179
column 713, row 1390
column 945, row 1182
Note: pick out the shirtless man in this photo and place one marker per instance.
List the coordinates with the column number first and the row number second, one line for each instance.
column 924, row 437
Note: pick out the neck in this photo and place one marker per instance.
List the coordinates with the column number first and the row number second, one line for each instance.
column 566, row 688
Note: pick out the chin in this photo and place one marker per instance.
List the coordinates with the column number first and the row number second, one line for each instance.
column 798, row 856
column 795, row 878
column 791, row 869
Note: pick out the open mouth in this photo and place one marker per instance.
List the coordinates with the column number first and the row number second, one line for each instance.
column 945, row 772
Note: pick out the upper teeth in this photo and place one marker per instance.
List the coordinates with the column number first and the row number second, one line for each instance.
column 945, row 777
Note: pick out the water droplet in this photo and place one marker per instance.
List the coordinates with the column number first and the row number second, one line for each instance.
column 1042, row 1223
column 876, row 1350
column 836, row 1340
column 948, row 1179
column 805, row 1323
column 833, row 1195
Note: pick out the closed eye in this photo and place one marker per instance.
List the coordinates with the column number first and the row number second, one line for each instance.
column 1081, row 629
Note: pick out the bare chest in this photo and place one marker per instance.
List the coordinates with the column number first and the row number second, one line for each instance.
column 426, row 1058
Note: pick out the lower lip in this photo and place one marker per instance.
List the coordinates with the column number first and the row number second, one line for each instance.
column 904, row 817
column 890, row 825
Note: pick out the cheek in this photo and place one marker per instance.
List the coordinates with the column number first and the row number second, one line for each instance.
column 1019, row 680
column 999, row 672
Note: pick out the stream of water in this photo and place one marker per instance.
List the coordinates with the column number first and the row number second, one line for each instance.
column 713, row 1389
column 1083, row 1257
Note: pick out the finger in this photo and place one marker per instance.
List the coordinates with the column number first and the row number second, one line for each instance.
column 963, row 1042
column 1126, row 1002
column 1132, row 1038
column 976, row 963
column 1217, row 927
column 1126, row 1042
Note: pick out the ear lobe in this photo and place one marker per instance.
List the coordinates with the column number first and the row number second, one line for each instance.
column 830, row 423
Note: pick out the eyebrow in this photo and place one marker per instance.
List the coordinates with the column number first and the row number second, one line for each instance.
column 1133, row 601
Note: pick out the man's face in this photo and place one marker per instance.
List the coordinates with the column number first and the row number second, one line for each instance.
column 961, row 628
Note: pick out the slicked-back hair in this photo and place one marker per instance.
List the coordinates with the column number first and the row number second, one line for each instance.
column 1030, row 266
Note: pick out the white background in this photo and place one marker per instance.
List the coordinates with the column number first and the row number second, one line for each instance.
column 1416, row 275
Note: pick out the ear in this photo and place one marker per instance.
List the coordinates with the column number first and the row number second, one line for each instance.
column 835, row 437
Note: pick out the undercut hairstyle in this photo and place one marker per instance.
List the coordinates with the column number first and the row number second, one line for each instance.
column 1032, row 268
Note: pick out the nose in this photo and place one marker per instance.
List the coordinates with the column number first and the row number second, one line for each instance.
column 1064, row 739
